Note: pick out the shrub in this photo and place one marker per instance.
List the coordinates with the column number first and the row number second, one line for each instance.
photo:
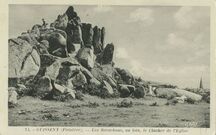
column 206, row 97
column 92, row 104
column 174, row 101
column 154, row 104
column 190, row 101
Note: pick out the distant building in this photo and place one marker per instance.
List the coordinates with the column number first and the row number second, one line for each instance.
column 201, row 84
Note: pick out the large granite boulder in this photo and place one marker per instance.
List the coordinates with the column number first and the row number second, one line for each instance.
column 87, row 34
column 12, row 96
column 126, row 76
column 167, row 93
column 108, row 88
column 107, row 55
column 57, row 45
column 103, row 34
column 62, row 93
column 57, row 42
column 108, row 69
column 31, row 38
column 73, row 30
column 43, row 47
column 51, row 65
column 42, row 87
column 74, row 26
column 61, row 22
column 65, row 73
column 76, row 33
column 56, row 75
column 86, row 57
column 97, row 40
column 124, row 91
column 139, row 92
column 53, row 70
column 36, row 31
column 71, row 13
column 188, row 94
column 78, row 80
column 101, row 76
column 24, row 60
column 130, row 87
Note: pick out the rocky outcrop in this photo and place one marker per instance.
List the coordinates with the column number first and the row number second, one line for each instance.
column 36, row 31
column 87, row 34
column 103, row 34
column 24, row 60
column 101, row 76
column 124, row 91
column 97, row 40
column 108, row 87
column 139, row 92
column 60, row 91
column 107, row 55
column 125, row 76
column 57, row 42
column 74, row 32
column 43, row 47
column 29, row 37
column 86, row 57
column 69, row 58
column 78, row 80
column 71, row 13
column 61, row 22
column 108, row 69
column 43, row 87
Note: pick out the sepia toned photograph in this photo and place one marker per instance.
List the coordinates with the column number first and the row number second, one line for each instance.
column 109, row 66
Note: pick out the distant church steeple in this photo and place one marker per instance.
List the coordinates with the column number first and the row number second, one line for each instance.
column 201, row 84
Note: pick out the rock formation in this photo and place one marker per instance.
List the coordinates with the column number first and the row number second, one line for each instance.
column 24, row 60
column 103, row 34
column 61, row 22
column 67, row 58
column 87, row 34
column 97, row 40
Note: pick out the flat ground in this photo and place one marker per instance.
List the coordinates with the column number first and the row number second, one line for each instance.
column 97, row 112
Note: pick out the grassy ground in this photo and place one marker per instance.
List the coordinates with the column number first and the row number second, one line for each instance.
column 94, row 111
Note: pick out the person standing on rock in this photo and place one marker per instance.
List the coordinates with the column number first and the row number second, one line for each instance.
column 44, row 24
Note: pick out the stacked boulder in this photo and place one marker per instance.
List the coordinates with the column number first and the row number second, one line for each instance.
column 66, row 58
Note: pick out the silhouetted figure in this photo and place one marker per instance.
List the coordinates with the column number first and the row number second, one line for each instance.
column 44, row 24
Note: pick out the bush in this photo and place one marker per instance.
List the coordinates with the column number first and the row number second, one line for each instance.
column 92, row 104
column 174, row 101
column 206, row 97
column 190, row 101
column 154, row 104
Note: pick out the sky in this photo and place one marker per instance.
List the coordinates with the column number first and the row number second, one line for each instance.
column 169, row 44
